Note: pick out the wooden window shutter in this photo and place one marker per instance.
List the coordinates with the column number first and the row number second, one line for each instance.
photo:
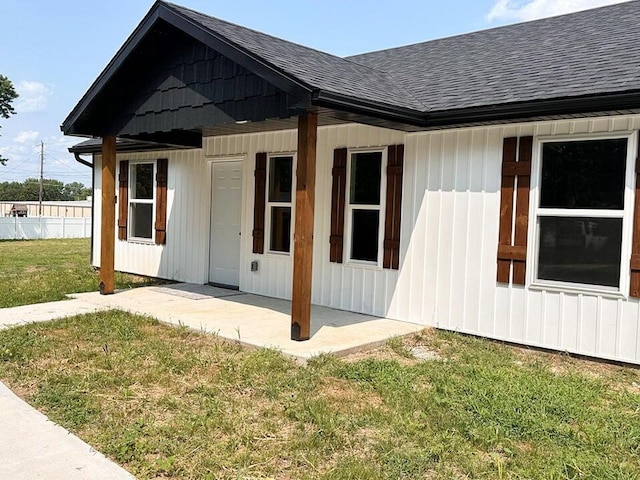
column 395, row 160
column 123, row 199
column 338, row 196
column 259, row 202
column 161, row 201
column 516, row 173
column 634, row 288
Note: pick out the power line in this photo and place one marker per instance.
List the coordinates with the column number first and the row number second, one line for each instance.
column 20, row 164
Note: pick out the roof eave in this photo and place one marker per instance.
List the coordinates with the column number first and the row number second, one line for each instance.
column 521, row 110
column 122, row 145
column 323, row 98
column 483, row 113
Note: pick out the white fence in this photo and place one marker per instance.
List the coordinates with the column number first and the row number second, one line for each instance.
column 31, row 228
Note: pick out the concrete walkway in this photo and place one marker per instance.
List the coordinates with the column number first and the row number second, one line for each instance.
column 33, row 447
column 43, row 312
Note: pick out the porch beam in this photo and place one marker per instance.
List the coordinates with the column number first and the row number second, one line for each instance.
column 303, row 232
column 108, row 218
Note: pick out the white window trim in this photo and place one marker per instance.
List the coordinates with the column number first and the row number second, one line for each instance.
column 533, row 237
column 268, row 204
column 381, row 208
column 131, row 200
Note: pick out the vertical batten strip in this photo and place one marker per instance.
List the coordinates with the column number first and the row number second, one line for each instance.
column 509, row 147
column 634, row 290
column 522, row 207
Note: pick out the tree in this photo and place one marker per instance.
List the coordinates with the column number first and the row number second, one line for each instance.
column 75, row 191
column 53, row 190
column 7, row 95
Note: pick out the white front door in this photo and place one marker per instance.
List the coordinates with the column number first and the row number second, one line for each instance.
column 226, row 209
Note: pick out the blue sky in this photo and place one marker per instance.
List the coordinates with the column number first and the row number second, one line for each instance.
column 52, row 51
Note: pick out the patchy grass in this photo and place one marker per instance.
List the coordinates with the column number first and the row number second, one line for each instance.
column 168, row 402
column 36, row 271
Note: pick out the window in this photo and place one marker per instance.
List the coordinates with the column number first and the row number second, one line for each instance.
column 280, row 188
column 141, row 200
column 581, row 211
column 364, row 205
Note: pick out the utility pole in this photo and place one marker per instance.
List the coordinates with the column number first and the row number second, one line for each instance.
column 41, row 177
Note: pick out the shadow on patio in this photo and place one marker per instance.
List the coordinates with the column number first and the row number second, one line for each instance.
column 254, row 320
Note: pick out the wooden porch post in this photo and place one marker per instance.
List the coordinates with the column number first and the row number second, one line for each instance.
column 303, row 233
column 108, row 225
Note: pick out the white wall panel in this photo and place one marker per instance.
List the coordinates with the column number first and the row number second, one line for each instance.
column 185, row 255
column 450, row 221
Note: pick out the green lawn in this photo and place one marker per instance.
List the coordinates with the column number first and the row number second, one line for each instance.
column 167, row 402
column 35, row 271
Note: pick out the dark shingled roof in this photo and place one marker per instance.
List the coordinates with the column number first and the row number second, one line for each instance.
column 584, row 53
column 313, row 67
column 591, row 52
column 578, row 63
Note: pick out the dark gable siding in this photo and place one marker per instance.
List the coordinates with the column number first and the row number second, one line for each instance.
column 175, row 82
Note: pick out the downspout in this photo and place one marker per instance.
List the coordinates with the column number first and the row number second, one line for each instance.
column 81, row 160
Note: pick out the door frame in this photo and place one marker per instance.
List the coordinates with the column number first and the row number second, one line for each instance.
column 211, row 160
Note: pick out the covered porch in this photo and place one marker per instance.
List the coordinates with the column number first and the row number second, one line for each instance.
column 181, row 79
column 254, row 320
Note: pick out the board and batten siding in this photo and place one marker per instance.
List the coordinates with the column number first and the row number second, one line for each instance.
column 448, row 271
column 449, row 238
column 337, row 285
column 185, row 256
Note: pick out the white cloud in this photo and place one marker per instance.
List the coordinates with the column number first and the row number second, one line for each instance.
column 523, row 10
column 33, row 96
column 26, row 136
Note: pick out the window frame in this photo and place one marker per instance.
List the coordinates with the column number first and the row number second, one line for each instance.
column 268, row 204
column 131, row 201
column 626, row 214
column 381, row 208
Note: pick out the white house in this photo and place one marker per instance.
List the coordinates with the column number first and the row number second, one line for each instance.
column 484, row 183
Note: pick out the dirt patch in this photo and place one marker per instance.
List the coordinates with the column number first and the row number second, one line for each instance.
column 34, row 269
column 345, row 396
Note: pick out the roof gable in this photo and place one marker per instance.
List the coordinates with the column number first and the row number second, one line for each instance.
column 172, row 82
column 577, row 63
column 298, row 71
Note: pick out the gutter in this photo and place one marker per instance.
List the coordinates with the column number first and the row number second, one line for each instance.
column 535, row 108
column 484, row 113
column 81, row 160
column 360, row 106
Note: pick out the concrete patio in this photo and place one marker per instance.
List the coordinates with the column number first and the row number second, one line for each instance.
column 252, row 319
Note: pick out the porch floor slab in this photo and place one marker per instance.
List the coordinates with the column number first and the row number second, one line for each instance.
column 254, row 320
